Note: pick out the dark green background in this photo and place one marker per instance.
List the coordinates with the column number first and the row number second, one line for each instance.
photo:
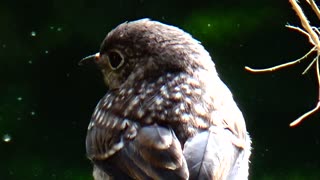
column 46, row 99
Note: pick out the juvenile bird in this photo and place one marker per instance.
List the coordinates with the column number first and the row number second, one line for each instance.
column 167, row 114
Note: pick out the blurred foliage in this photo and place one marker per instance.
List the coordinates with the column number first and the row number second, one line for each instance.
column 46, row 99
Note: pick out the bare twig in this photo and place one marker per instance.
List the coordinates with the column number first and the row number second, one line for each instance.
column 313, row 34
column 314, row 8
column 304, row 21
column 298, row 29
column 281, row 65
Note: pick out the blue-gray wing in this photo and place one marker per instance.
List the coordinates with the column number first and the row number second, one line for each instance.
column 210, row 154
column 122, row 149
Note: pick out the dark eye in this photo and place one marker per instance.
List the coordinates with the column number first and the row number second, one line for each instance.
column 115, row 59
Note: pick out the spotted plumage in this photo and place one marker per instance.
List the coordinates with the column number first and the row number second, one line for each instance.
column 167, row 114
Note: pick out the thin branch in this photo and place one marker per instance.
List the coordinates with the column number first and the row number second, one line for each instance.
column 297, row 121
column 304, row 21
column 314, row 8
column 281, row 65
column 313, row 34
column 299, row 30
column 301, row 118
column 309, row 66
column 316, row 30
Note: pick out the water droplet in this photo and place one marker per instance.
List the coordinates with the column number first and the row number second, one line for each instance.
column 33, row 33
column 32, row 113
column 6, row 138
column 19, row 98
column 209, row 25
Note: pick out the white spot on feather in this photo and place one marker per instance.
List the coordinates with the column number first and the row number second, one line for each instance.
column 177, row 95
column 158, row 100
column 199, row 109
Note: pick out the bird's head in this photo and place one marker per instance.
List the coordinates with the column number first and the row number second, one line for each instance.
column 145, row 49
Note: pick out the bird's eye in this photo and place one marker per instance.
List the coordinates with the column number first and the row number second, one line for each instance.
column 115, row 59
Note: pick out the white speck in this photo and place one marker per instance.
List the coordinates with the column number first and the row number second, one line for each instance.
column 158, row 108
column 177, row 111
column 164, row 92
column 186, row 89
column 177, row 89
column 101, row 118
column 134, row 102
column 59, row 29
column 110, row 152
column 162, row 117
column 160, row 80
column 33, row 33
column 192, row 81
column 109, row 105
column 178, row 95
column 182, row 107
column 132, row 132
column 91, row 124
column 4, row 45
column 185, row 117
column 122, row 92
column 185, row 86
column 68, row 74
column 201, row 122
column 188, row 101
column 98, row 114
column 125, row 123
column 51, row 27
column 198, row 91
column 126, row 112
column 46, row 51
column 140, row 113
column 163, row 88
column 108, row 96
column 30, row 62
column 177, row 78
column 6, row 138
column 209, row 25
column 190, row 129
column 148, row 120
column 130, row 91
column 159, row 100
column 107, row 123
column 118, row 146
column 32, row 113
column 19, row 98
column 114, row 122
column 95, row 112
column 149, row 90
column 199, row 109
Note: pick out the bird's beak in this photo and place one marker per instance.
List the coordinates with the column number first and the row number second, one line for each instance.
column 89, row 59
